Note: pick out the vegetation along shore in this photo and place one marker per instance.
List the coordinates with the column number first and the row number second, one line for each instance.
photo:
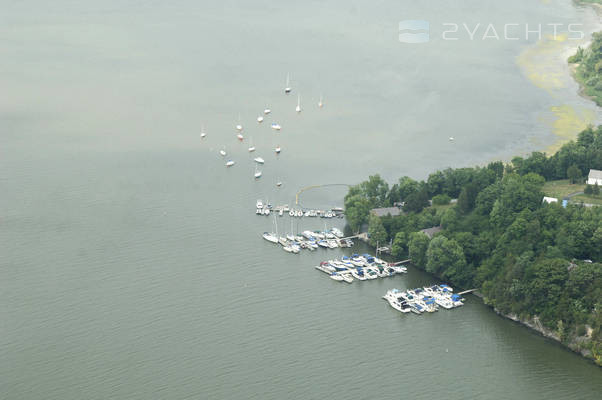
column 536, row 262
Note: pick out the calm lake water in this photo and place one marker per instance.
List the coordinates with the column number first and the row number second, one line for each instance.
column 131, row 261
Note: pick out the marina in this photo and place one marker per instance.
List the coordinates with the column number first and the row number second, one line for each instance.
column 266, row 208
column 427, row 299
column 359, row 267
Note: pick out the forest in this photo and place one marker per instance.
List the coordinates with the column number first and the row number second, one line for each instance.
column 527, row 258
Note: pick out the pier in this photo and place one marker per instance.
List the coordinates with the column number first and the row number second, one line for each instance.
column 467, row 291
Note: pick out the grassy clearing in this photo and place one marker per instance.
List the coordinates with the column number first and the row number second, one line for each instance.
column 587, row 199
column 562, row 188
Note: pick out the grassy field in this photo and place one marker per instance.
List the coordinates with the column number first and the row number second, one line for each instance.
column 562, row 188
column 587, row 199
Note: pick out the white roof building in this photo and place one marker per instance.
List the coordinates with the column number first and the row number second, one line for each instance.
column 594, row 177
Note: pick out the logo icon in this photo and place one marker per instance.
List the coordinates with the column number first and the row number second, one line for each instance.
column 414, row 31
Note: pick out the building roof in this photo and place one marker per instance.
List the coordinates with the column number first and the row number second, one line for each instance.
column 430, row 232
column 381, row 212
column 550, row 199
column 595, row 174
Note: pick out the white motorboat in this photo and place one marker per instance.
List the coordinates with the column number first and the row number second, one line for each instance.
column 267, row 111
column 278, row 184
column 259, row 160
column 259, row 204
column 251, row 147
column 240, row 137
column 239, row 127
column 288, row 249
column 278, row 150
column 203, row 135
column 320, row 103
column 260, row 119
column 276, row 127
column 270, row 237
column 336, row 276
column 298, row 108
column 257, row 173
column 222, row 152
column 287, row 88
column 229, row 163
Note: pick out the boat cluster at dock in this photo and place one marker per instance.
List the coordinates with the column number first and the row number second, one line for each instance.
column 266, row 209
column 426, row 299
column 361, row 267
column 310, row 240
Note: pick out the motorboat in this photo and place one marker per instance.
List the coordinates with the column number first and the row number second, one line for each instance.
column 298, row 108
column 260, row 119
column 259, row 160
column 276, row 127
column 277, row 150
column 229, row 163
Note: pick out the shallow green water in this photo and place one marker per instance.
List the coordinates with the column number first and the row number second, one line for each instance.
column 131, row 262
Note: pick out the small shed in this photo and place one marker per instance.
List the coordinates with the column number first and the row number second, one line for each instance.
column 549, row 200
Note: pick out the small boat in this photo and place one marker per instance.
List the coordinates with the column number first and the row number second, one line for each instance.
column 257, row 172
column 222, row 152
column 259, row 160
column 287, row 88
column 203, row 134
column 276, row 127
column 270, row 237
column 320, row 103
column 229, row 163
column 260, row 119
column 239, row 127
column 278, row 184
column 251, row 147
column 451, row 139
column 298, row 108
column 277, row 150
column 259, row 204
column 336, row 276
column 240, row 137
column 267, row 111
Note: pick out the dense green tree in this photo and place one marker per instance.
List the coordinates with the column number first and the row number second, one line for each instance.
column 399, row 247
column 444, row 255
column 418, row 246
column 589, row 190
column 376, row 231
column 441, row 200
column 573, row 173
column 417, row 201
column 467, row 198
column 357, row 209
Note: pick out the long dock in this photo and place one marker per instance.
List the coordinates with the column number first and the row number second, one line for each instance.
column 467, row 291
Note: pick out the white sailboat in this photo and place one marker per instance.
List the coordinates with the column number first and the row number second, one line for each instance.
column 229, row 163
column 320, row 103
column 287, row 88
column 298, row 108
column 257, row 172
column 203, row 133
